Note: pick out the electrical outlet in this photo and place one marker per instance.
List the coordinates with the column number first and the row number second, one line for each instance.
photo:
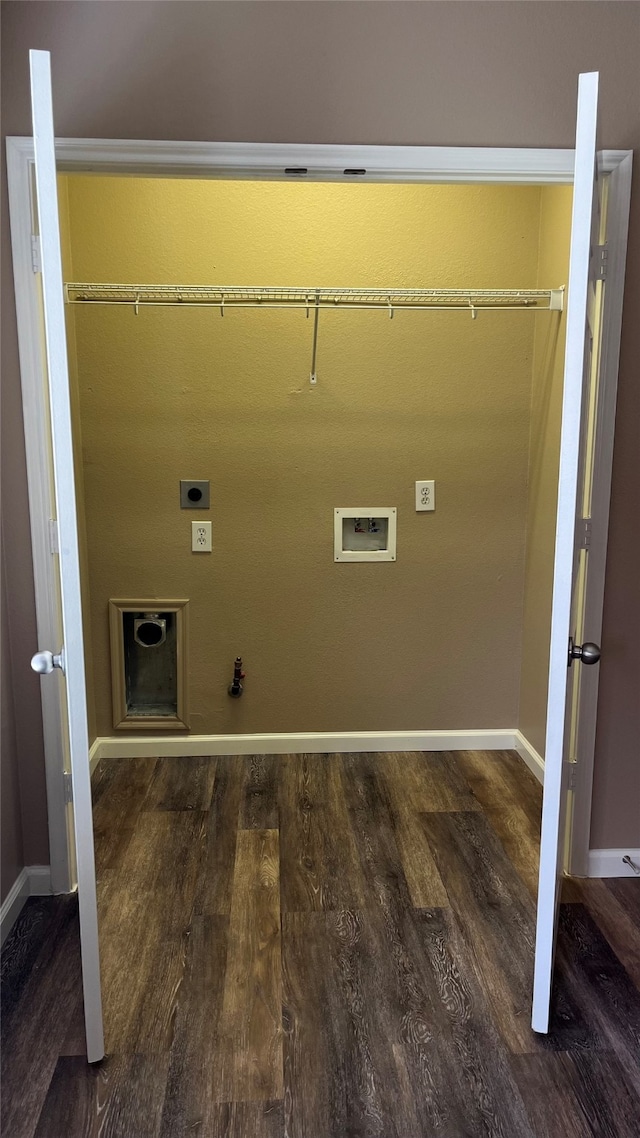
column 201, row 537
column 426, row 495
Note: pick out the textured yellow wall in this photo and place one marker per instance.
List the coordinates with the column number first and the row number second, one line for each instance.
column 431, row 641
column 544, row 452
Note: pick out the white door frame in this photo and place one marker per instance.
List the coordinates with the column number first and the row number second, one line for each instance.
column 324, row 163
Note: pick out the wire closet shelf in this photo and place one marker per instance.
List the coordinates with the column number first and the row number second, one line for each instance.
column 310, row 299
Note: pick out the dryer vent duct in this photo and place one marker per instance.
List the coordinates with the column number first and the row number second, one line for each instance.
column 150, row 630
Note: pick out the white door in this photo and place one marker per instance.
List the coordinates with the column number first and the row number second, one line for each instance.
column 69, row 658
column 570, row 563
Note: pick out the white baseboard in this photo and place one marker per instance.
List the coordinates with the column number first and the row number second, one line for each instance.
column 39, row 880
column 94, row 755
column 529, row 755
column 32, row 881
column 13, row 903
column 609, row 863
column 311, row 742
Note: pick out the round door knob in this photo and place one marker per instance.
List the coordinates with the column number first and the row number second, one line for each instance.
column 45, row 662
column 588, row 653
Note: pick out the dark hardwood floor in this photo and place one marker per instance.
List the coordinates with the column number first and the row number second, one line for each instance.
column 323, row 946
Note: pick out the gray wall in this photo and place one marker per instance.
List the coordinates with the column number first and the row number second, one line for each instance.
column 436, row 73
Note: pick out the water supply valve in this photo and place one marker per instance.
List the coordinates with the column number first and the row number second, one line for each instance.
column 235, row 687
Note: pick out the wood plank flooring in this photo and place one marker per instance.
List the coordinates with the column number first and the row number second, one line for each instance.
column 323, row 946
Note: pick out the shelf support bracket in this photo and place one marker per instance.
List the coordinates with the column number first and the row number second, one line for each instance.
column 313, row 378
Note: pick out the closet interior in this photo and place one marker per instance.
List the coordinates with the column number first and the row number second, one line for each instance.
column 306, row 352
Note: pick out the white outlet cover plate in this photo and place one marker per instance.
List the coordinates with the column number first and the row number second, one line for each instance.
column 201, row 537
column 425, row 495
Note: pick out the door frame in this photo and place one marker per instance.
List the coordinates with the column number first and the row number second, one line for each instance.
column 269, row 161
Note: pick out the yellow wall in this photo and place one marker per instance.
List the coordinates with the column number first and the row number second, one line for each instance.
column 431, row 641
column 544, row 449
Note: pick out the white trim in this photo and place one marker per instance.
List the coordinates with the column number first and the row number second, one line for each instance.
column 13, row 904
column 41, row 498
column 236, row 160
column 609, row 863
column 617, row 226
column 345, row 513
column 323, row 162
column 94, row 755
column 32, row 881
column 39, row 880
column 269, row 160
column 310, row 742
column 529, row 755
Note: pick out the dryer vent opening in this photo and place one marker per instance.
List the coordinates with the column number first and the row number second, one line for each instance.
column 149, row 664
column 150, row 631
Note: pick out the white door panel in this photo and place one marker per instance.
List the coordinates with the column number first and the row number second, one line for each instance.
column 568, row 587
column 72, row 654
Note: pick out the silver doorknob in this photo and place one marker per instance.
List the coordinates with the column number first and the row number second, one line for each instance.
column 45, row 662
column 588, row 653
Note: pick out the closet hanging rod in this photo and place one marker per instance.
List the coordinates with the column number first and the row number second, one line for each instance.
column 389, row 300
